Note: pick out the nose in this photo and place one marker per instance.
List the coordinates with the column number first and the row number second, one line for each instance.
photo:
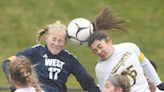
column 98, row 51
column 56, row 42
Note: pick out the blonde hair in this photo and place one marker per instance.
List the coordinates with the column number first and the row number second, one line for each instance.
column 21, row 71
column 121, row 80
column 57, row 26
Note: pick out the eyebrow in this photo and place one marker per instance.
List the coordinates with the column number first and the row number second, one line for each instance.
column 95, row 49
column 99, row 45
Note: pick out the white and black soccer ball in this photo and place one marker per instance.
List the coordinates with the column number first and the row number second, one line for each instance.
column 79, row 30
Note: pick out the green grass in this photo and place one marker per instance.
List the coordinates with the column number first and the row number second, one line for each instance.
column 21, row 19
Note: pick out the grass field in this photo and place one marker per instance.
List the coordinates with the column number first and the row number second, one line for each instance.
column 21, row 19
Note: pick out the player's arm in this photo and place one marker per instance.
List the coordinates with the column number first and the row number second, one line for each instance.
column 82, row 76
column 148, row 69
column 5, row 65
column 5, row 68
column 150, row 72
column 29, row 52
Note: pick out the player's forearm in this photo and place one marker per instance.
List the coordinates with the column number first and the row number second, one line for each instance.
column 150, row 72
column 94, row 89
column 5, row 68
column 88, row 84
column 5, row 65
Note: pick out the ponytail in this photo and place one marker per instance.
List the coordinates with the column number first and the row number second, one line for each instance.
column 40, row 34
column 105, row 20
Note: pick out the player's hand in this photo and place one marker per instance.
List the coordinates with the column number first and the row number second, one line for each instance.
column 12, row 88
column 161, row 86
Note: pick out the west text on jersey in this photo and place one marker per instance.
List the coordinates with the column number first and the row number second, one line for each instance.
column 54, row 62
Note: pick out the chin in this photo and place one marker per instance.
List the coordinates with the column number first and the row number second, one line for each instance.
column 55, row 52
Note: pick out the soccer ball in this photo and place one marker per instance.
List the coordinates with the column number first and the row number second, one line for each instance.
column 79, row 30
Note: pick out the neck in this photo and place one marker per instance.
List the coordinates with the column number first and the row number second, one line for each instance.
column 19, row 86
column 113, row 50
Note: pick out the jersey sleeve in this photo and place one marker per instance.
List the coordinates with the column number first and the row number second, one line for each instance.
column 29, row 52
column 148, row 69
column 5, row 65
column 150, row 72
column 82, row 76
column 32, row 53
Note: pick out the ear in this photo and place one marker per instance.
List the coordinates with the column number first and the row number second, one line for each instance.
column 109, row 40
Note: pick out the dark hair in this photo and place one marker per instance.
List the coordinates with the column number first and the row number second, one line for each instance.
column 106, row 20
column 103, row 21
column 99, row 35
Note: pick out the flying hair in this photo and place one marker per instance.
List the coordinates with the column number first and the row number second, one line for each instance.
column 105, row 20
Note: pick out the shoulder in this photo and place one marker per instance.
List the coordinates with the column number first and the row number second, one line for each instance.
column 127, row 45
column 70, row 55
column 38, row 46
column 31, row 50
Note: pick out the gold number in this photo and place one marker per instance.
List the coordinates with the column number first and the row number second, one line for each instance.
column 132, row 73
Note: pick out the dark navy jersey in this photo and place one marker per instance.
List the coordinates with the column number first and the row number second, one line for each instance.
column 53, row 70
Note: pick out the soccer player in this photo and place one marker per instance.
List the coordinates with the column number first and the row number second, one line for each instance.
column 117, row 83
column 117, row 58
column 53, row 63
column 152, row 87
column 22, row 75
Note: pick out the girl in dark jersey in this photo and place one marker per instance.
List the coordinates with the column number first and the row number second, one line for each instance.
column 53, row 63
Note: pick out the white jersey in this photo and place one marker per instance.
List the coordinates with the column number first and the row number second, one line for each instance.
column 125, row 57
column 27, row 89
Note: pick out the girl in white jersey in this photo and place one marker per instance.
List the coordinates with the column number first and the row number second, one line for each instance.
column 115, row 59
column 21, row 75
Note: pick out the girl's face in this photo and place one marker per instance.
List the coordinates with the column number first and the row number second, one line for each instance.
column 109, row 87
column 102, row 48
column 56, row 41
